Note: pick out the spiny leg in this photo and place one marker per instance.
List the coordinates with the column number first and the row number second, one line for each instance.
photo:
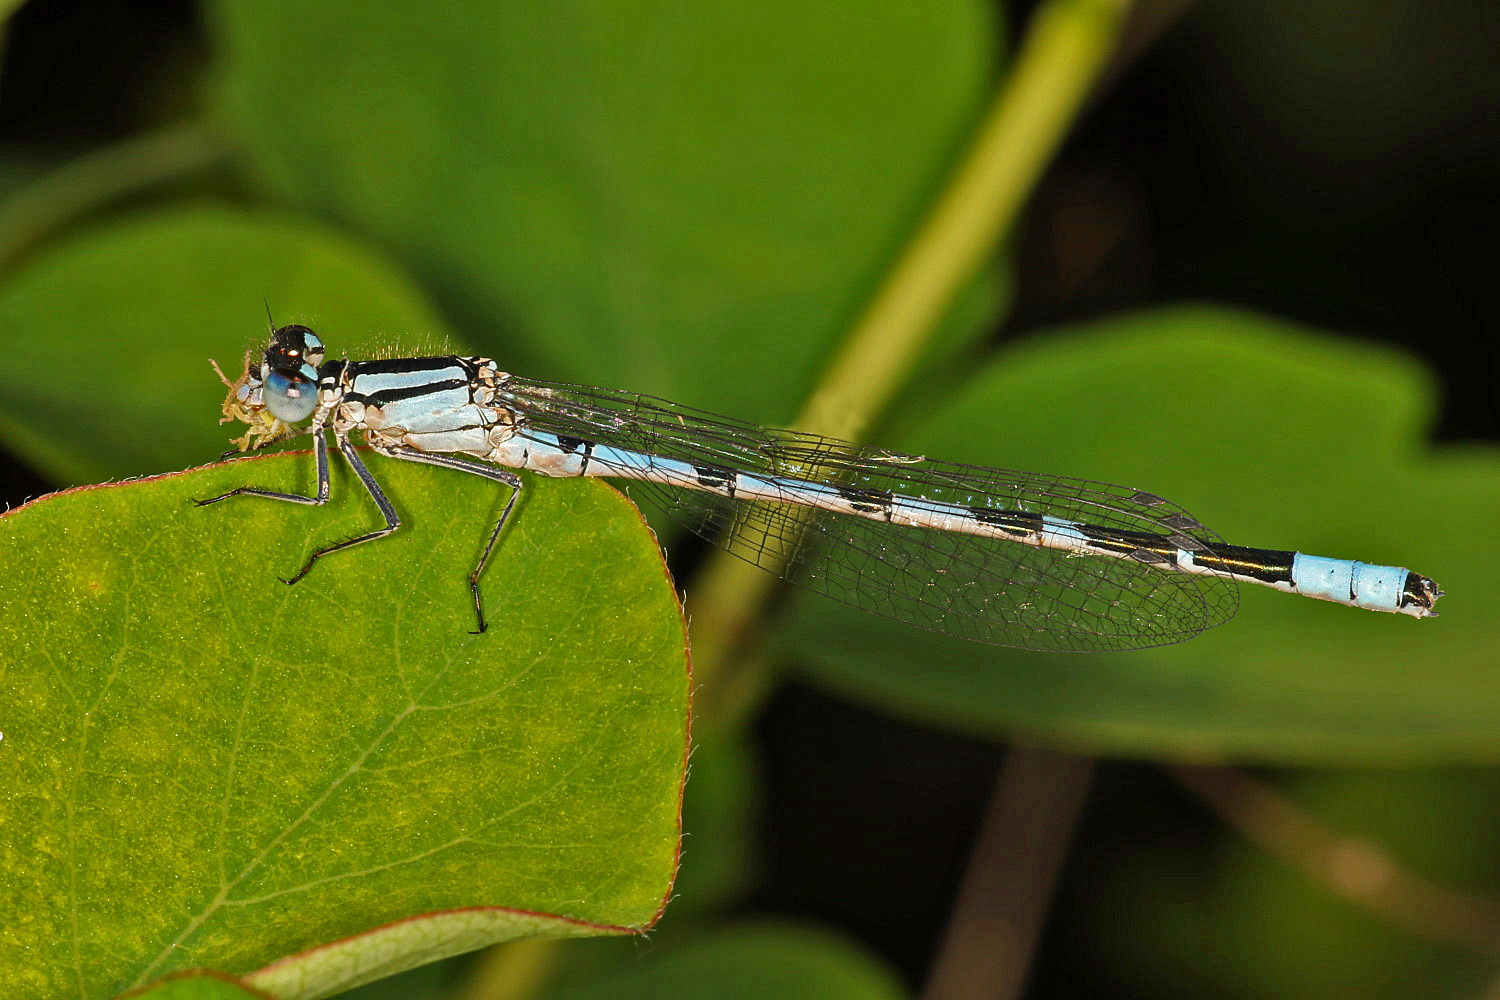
column 392, row 521
column 320, row 453
column 504, row 476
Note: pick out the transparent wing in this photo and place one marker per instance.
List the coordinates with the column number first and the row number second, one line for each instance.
column 974, row 587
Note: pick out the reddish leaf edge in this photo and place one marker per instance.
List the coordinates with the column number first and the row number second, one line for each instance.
column 272, row 981
column 222, row 977
column 118, row 483
column 303, row 966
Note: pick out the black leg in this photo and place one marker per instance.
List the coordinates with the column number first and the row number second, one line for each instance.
column 387, row 511
column 392, row 521
column 320, row 453
column 479, row 469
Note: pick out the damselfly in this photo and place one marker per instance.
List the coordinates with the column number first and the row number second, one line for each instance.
column 1013, row 558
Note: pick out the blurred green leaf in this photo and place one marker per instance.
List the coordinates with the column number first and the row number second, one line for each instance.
column 206, row 768
column 693, row 202
column 71, row 192
column 1273, row 436
column 1350, row 87
column 719, row 819
column 1195, row 916
column 108, row 334
column 751, row 962
column 433, row 981
column 7, row 8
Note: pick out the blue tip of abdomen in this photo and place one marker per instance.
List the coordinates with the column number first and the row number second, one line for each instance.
column 1360, row 585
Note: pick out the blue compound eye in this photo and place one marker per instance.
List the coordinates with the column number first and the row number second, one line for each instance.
column 292, row 397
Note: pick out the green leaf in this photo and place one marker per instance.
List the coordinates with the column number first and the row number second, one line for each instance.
column 751, row 962
column 7, row 8
column 196, row 986
column 207, row 768
column 694, row 203
column 720, row 819
column 1273, row 436
column 1243, row 923
column 108, row 334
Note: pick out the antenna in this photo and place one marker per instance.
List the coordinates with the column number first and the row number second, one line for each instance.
column 269, row 320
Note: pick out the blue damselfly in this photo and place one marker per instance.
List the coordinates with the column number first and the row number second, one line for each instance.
column 1013, row 558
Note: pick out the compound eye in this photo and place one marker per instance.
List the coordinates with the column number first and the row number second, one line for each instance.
column 292, row 396
column 293, row 346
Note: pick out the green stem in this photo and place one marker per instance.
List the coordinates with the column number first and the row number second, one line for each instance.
column 95, row 179
column 7, row 8
column 1061, row 58
column 516, row 970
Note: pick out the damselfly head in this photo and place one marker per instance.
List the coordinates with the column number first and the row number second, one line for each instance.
column 278, row 392
column 292, row 347
column 289, row 376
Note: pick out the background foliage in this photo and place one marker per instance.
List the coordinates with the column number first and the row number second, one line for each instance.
column 1243, row 285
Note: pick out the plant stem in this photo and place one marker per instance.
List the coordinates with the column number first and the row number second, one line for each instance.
column 1061, row 57
column 1349, row 866
column 515, row 970
column 7, row 9
column 1003, row 899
